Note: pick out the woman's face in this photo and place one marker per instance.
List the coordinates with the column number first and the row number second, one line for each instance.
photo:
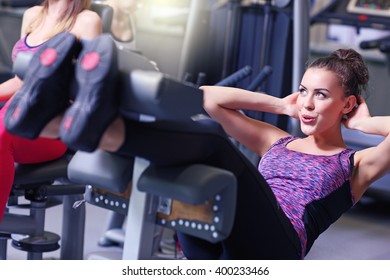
column 322, row 102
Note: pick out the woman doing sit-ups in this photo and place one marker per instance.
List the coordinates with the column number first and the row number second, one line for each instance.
column 314, row 179
column 305, row 183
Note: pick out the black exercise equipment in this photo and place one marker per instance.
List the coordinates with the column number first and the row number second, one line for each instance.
column 10, row 20
column 85, row 167
column 381, row 44
column 101, row 192
column 43, row 186
column 165, row 168
column 46, row 185
column 237, row 76
column 356, row 13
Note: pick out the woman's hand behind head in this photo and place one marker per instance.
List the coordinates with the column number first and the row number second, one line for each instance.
column 358, row 114
column 291, row 105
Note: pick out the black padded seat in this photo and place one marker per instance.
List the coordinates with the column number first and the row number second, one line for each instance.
column 41, row 172
column 106, row 13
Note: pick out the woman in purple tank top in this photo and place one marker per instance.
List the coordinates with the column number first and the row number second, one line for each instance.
column 314, row 179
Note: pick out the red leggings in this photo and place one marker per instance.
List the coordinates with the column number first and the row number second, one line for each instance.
column 15, row 149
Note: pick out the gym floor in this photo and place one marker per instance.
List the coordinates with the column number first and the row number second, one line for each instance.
column 361, row 234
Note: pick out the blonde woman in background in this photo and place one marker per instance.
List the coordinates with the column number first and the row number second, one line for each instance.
column 123, row 24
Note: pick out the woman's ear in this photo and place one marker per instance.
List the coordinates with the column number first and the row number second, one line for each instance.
column 350, row 104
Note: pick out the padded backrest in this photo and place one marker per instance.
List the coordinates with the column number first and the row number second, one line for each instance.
column 106, row 13
column 10, row 21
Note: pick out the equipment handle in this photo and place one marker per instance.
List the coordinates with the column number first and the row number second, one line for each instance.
column 235, row 77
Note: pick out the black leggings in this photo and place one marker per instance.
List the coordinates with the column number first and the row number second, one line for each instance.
column 260, row 230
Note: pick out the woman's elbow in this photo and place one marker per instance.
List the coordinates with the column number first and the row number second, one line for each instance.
column 209, row 103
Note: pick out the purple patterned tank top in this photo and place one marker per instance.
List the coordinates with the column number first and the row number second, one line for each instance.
column 23, row 46
column 298, row 179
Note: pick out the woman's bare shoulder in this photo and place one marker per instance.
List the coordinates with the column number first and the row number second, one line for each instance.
column 88, row 17
column 32, row 12
column 88, row 25
column 29, row 16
